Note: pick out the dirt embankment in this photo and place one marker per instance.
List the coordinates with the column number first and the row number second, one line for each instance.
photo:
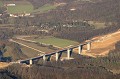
column 3, row 65
column 102, row 45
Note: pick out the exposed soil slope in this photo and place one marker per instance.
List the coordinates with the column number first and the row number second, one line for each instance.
column 103, row 45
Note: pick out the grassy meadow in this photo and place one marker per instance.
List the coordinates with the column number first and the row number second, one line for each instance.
column 26, row 7
column 1, row 3
column 54, row 41
column 45, row 8
column 21, row 7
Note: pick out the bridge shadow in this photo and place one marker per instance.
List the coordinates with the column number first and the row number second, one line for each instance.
column 51, row 59
column 6, row 59
column 60, row 55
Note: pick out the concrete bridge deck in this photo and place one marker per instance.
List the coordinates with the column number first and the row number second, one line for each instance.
column 58, row 53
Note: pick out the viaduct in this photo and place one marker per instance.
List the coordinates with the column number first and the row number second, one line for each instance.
column 47, row 57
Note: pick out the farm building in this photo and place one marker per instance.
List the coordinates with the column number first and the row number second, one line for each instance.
column 9, row 5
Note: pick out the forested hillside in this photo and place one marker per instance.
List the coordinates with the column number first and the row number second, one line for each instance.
column 103, row 10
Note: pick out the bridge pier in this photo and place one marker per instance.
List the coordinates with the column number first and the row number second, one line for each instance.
column 80, row 49
column 44, row 58
column 57, row 56
column 88, row 46
column 49, row 57
column 30, row 61
column 68, row 53
column 19, row 62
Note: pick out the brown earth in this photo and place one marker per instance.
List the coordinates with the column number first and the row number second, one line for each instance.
column 3, row 65
column 102, row 45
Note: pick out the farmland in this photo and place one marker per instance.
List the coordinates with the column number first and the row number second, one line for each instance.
column 25, row 50
column 26, row 7
column 1, row 4
column 20, row 7
column 45, row 8
column 54, row 41
column 97, row 25
column 23, row 47
column 32, row 49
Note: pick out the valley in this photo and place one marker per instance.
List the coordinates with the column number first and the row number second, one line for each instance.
column 59, row 39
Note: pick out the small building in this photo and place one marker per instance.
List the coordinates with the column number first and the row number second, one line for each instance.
column 72, row 9
column 9, row 5
column 13, row 15
column 27, row 14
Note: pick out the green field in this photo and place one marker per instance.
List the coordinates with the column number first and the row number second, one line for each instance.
column 21, row 6
column 20, row 9
column 26, row 7
column 29, row 52
column 1, row 3
column 97, row 25
column 45, row 8
column 55, row 41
